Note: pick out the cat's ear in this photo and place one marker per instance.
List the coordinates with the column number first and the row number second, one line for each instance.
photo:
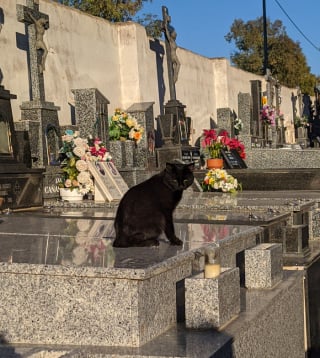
column 169, row 166
column 191, row 166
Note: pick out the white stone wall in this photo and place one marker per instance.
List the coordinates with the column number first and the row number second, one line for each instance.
column 89, row 52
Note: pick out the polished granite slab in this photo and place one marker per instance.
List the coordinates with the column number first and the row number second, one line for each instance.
column 50, row 266
column 87, row 242
column 47, row 231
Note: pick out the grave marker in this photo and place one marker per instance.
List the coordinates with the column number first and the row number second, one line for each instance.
column 109, row 185
column 39, row 117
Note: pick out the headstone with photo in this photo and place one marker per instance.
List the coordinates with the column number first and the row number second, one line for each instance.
column 109, row 185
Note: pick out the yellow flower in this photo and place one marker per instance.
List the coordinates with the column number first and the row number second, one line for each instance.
column 129, row 122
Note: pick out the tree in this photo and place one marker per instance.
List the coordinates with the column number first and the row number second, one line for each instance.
column 285, row 58
column 118, row 11
column 112, row 10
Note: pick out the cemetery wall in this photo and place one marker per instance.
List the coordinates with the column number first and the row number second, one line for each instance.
column 120, row 61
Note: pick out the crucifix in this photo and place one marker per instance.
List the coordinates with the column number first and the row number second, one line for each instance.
column 173, row 62
column 37, row 23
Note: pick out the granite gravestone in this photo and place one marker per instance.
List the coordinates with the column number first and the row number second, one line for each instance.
column 145, row 156
column 244, row 113
column 91, row 110
column 39, row 117
column 19, row 186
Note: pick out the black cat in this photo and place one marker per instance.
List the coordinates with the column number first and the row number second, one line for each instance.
column 146, row 209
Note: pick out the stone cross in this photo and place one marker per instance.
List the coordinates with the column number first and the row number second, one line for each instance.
column 37, row 23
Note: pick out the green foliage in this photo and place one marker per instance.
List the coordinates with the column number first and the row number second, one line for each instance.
column 112, row 10
column 152, row 24
column 285, row 58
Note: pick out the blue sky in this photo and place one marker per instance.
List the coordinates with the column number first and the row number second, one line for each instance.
column 202, row 24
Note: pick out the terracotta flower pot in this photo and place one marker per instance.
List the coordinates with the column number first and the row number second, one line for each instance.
column 215, row 163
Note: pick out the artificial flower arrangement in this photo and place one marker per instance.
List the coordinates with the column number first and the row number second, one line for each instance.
column 212, row 143
column 123, row 126
column 267, row 115
column 74, row 156
column 220, row 180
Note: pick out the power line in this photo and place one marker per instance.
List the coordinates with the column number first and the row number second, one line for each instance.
column 293, row 23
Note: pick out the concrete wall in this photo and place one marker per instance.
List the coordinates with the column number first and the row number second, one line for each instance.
column 86, row 52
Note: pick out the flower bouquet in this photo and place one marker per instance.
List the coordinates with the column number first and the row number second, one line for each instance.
column 220, row 180
column 122, row 126
column 267, row 115
column 212, row 144
column 74, row 156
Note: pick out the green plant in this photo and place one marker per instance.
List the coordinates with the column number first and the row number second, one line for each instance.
column 301, row 121
column 122, row 126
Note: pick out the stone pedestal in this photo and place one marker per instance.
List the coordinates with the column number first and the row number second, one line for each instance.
column 263, row 266
column 123, row 153
column 212, row 302
column 168, row 154
column 297, row 241
column 91, row 110
column 145, row 151
column 225, row 120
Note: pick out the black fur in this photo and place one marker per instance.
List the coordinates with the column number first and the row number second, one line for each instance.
column 146, row 209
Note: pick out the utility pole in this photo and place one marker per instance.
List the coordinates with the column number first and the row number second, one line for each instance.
column 265, row 39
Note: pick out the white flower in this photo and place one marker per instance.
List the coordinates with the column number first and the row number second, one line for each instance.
column 81, row 165
column 83, row 177
column 79, row 151
column 238, row 124
column 68, row 183
column 80, row 142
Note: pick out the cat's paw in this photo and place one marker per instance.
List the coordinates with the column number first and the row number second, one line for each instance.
column 175, row 241
column 151, row 242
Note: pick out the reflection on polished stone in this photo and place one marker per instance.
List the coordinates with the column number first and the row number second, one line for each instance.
column 88, row 242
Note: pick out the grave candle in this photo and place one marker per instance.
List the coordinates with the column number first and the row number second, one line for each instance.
column 212, row 266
